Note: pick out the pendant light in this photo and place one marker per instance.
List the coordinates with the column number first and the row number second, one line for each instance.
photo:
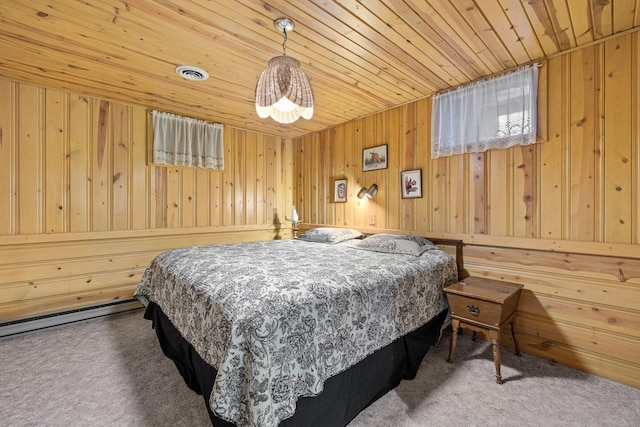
column 283, row 91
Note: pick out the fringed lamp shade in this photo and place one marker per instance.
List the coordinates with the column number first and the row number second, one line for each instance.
column 283, row 91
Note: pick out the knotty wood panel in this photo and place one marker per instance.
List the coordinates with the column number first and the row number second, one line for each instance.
column 423, row 133
column 75, row 168
column 100, row 202
column 79, row 164
column 7, row 158
column 29, row 153
column 614, row 348
column 578, row 187
column 596, row 317
column 56, row 150
column 617, row 183
column 595, row 363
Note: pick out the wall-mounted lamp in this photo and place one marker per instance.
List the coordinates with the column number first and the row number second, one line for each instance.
column 369, row 192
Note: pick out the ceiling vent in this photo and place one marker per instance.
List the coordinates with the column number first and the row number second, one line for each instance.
column 191, row 72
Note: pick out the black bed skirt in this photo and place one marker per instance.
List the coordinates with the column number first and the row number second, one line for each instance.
column 344, row 396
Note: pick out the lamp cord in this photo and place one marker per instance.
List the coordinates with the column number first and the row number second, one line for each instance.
column 284, row 43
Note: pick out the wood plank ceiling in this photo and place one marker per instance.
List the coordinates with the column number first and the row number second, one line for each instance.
column 361, row 56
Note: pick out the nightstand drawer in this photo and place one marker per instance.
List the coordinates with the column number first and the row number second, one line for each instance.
column 475, row 310
column 485, row 301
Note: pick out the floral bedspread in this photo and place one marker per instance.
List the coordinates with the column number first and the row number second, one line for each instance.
column 278, row 318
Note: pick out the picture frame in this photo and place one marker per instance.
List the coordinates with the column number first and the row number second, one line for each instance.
column 411, row 183
column 340, row 191
column 374, row 158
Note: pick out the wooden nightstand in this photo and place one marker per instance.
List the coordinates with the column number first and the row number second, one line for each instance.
column 483, row 305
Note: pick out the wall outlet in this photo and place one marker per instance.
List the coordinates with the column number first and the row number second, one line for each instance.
column 372, row 219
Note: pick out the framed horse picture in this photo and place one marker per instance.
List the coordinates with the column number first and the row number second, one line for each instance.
column 374, row 158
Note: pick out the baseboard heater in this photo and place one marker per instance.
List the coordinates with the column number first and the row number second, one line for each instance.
column 32, row 324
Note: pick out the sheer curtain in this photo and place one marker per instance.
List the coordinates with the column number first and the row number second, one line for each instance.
column 497, row 113
column 183, row 141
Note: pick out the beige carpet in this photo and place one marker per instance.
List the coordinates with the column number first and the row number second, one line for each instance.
column 111, row 372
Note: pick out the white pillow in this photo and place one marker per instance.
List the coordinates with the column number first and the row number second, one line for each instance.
column 396, row 244
column 330, row 235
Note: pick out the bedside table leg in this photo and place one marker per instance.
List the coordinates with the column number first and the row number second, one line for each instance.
column 495, row 340
column 455, row 325
column 513, row 334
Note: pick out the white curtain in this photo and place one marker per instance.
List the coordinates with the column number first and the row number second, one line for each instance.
column 183, row 141
column 497, row 113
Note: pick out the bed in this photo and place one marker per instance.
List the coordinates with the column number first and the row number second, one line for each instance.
column 298, row 332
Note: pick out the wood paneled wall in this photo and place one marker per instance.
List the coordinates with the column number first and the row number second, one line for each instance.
column 82, row 212
column 562, row 216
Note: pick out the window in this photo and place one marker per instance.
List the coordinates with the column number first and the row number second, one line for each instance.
column 496, row 113
column 183, row 141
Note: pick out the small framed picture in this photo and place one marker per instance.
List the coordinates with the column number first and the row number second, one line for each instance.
column 340, row 191
column 374, row 158
column 411, row 182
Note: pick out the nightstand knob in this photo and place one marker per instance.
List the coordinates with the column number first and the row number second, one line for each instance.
column 475, row 311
